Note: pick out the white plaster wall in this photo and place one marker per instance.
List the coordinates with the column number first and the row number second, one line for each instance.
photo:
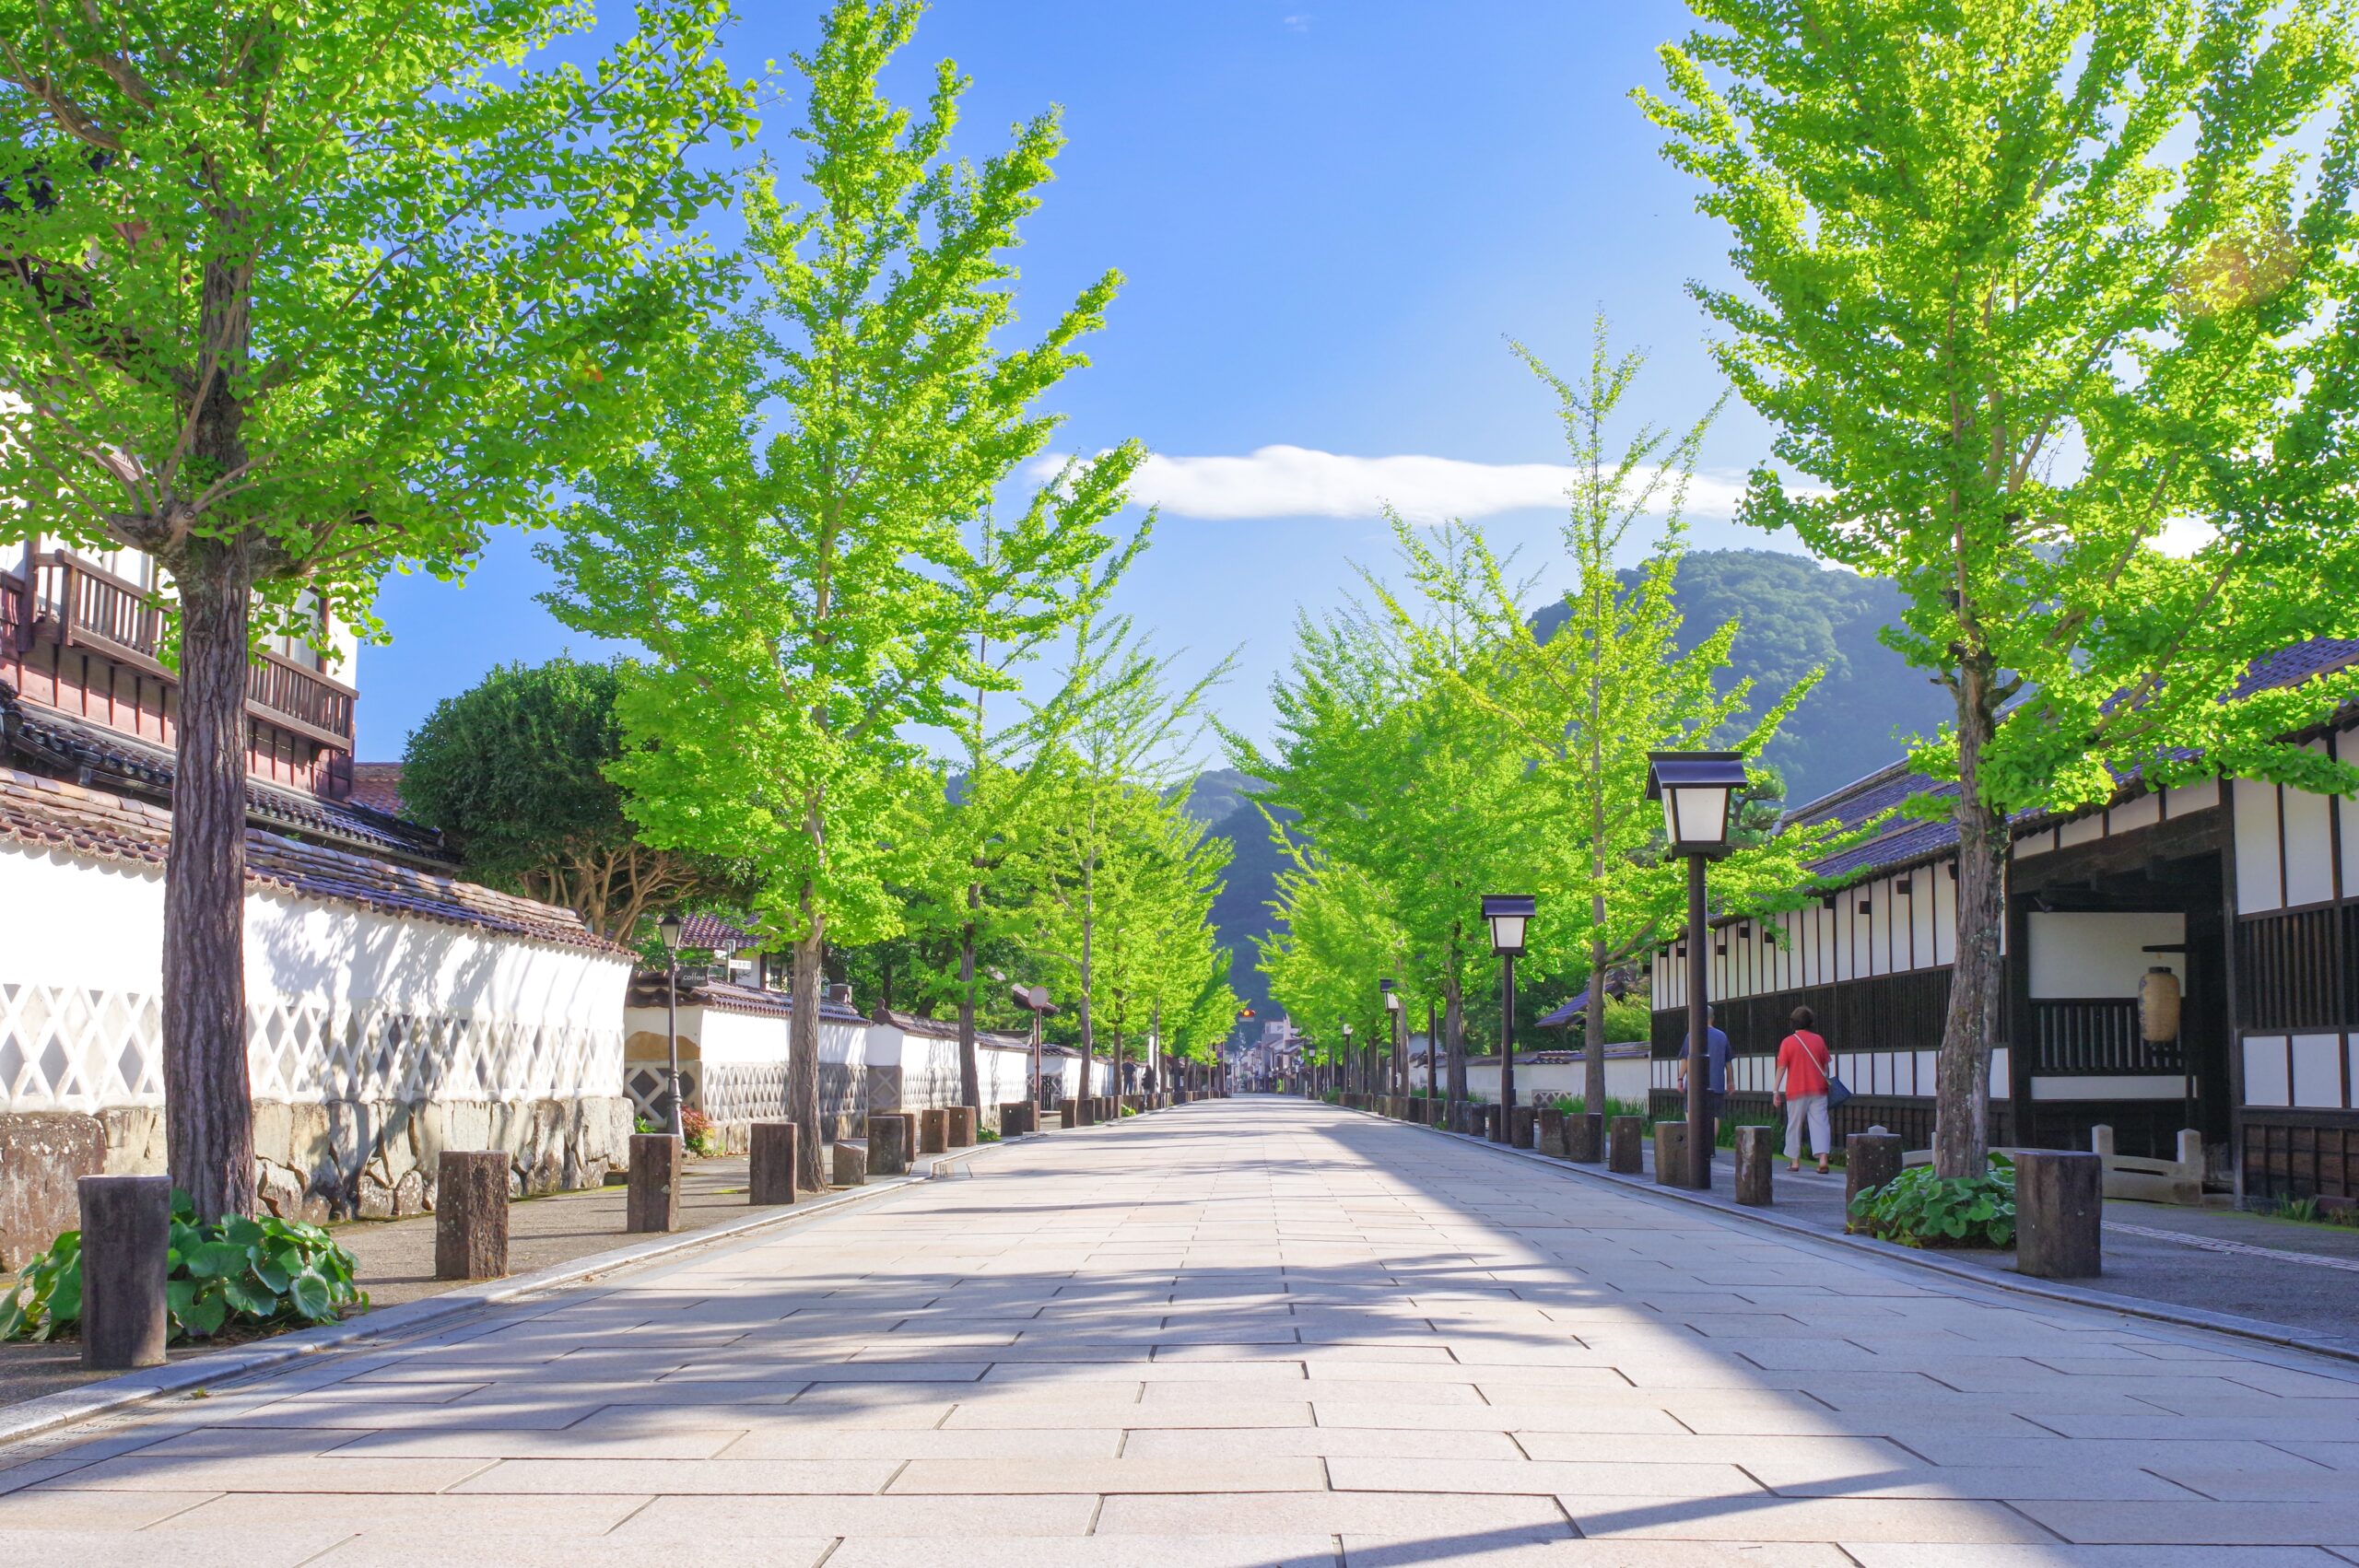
column 718, row 1034
column 2100, row 954
column 1625, row 1079
column 311, row 949
column 342, row 1003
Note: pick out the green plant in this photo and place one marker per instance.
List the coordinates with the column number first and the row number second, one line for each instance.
column 987, row 1135
column 646, row 1124
column 1920, row 1208
column 697, row 1131
column 268, row 1273
column 1129, row 1110
column 1577, row 1105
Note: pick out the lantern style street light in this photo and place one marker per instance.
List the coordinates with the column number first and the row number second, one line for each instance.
column 1348, row 1066
column 1507, row 914
column 1034, row 1000
column 670, row 927
column 1397, row 1081
column 1696, row 790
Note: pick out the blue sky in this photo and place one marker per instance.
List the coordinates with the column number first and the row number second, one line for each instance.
column 1331, row 217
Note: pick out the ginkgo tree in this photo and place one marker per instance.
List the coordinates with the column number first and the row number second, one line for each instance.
column 796, row 548
column 292, row 296
column 2027, row 286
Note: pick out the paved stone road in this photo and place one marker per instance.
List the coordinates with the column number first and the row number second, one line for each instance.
column 1243, row 1333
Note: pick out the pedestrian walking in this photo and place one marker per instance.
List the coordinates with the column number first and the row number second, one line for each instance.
column 1804, row 1066
column 1716, row 1076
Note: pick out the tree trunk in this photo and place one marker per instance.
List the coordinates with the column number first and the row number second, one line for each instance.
column 970, row 1071
column 208, row 1097
column 802, row 1055
column 1453, row 1029
column 1962, row 1078
column 1593, row 1048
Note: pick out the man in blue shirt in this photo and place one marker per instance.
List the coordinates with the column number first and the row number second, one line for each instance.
column 1716, row 1077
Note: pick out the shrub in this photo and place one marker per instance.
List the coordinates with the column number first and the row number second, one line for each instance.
column 697, row 1131
column 264, row 1274
column 987, row 1135
column 1574, row 1105
column 1920, row 1208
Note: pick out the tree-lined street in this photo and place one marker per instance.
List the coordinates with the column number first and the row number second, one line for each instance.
column 1243, row 1332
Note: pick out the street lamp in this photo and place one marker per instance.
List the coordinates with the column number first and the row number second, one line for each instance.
column 1398, row 1079
column 1034, row 1000
column 1507, row 914
column 1696, row 790
column 1347, row 1064
column 670, row 928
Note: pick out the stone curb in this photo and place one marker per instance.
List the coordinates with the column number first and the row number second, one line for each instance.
column 2047, row 1290
column 109, row 1396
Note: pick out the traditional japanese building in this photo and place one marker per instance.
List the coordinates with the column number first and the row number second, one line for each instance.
column 2245, row 894
column 393, row 1008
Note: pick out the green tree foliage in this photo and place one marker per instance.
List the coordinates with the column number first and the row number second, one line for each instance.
column 2025, row 283
column 1581, row 709
column 1392, row 769
column 795, row 549
column 514, row 771
column 288, row 298
column 1118, row 878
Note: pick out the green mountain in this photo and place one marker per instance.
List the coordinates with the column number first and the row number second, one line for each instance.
column 1793, row 615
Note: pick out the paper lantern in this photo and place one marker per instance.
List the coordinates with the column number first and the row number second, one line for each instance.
column 2158, row 999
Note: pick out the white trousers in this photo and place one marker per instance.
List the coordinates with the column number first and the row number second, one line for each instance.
column 1797, row 1108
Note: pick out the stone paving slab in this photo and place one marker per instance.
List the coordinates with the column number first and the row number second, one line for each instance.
column 1243, row 1332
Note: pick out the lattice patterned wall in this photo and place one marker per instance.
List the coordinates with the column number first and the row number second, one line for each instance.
column 77, row 1048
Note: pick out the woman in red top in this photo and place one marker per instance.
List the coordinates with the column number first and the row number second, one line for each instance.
column 1804, row 1064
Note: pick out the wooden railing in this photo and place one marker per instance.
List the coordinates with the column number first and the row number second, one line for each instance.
column 15, row 616
column 2096, row 1035
column 83, row 605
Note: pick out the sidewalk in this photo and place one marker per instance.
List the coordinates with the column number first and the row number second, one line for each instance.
column 396, row 1259
column 2301, row 1278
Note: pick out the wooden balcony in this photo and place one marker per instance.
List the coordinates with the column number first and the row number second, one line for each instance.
column 76, row 605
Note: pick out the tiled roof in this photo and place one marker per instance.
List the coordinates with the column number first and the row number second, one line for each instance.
column 377, row 786
column 47, row 813
column 712, row 933
column 63, row 746
column 1910, row 840
column 918, row 1023
column 728, row 996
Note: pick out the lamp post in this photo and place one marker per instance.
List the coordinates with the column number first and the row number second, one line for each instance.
column 1034, row 1000
column 1397, row 1081
column 1507, row 914
column 670, row 927
column 1433, row 1056
column 1696, row 789
column 1350, row 1065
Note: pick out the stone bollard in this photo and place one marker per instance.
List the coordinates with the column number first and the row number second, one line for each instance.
column 1584, row 1137
column 126, row 1247
column 1671, row 1153
column 1068, row 1113
column 1869, row 1160
column 850, row 1165
column 1521, row 1127
column 1015, row 1117
column 651, row 1200
column 470, row 1215
column 2059, row 1214
column 1755, row 1150
column 1548, row 1132
column 1494, row 1127
column 962, row 1127
column 769, row 1164
column 889, row 1142
column 1624, row 1133
column 934, row 1131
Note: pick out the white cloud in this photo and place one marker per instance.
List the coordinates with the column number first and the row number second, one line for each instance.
column 1281, row 481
